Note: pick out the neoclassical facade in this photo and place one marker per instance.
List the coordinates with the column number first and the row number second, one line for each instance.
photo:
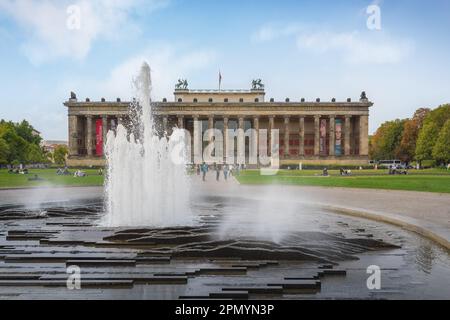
column 319, row 132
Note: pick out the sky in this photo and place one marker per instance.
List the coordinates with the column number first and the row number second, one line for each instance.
column 300, row 49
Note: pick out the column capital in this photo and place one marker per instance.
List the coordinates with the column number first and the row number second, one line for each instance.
column 347, row 116
column 317, row 116
column 286, row 119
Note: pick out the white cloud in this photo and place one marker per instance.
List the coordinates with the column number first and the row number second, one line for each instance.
column 271, row 32
column 167, row 63
column 356, row 48
column 352, row 47
column 45, row 24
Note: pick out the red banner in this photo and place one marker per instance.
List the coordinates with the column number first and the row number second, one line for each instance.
column 99, row 137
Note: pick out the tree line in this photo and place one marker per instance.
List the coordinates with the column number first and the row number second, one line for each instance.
column 424, row 136
column 20, row 143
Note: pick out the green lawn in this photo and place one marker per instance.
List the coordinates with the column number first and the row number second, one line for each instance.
column 50, row 177
column 431, row 180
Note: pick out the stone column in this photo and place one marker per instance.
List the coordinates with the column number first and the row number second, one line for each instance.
column 197, row 141
column 241, row 142
column 89, row 137
column 316, row 135
column 211, row 127
column 104, row 130
column 271, row 127
column 73, row 136
column 332, row 136
column 364, row 135
column 180, row 122
column 347, row 135
column 286, row 136
column 119, row 120
column 256, row 128
column 301, row 142
column 165, row 121
column 225, row 138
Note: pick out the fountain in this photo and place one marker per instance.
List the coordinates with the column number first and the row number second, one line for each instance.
column 144, row 185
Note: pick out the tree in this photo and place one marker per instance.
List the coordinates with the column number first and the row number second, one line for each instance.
column 4, row 151
column 386, row 140
column 441, row 149
column 429, row 132
column 23, row 142
column 27, row 132
column 34, row 154
column 17, row 145
column 60, row 153
column 407, row 147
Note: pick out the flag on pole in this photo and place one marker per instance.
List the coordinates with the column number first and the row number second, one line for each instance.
column 220, row 79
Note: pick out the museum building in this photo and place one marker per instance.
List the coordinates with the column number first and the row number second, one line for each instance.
column 311, row 132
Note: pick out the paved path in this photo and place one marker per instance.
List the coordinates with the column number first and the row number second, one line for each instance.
column 422, row 212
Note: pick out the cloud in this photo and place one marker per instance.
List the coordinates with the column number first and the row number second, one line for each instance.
column 352, row 47
column 167, row 64
column 271, row 32
column 45, row 24
column 356, row 48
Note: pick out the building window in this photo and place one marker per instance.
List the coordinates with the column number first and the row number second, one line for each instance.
column 180, row 100
column 195, row 100
column 241, row 99
column 256, row 100
column 225, row 100
column 210, row 100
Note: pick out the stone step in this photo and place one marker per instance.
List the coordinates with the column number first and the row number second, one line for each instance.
column 63, row 283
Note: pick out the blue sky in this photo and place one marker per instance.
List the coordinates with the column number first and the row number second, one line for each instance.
column 299, row 48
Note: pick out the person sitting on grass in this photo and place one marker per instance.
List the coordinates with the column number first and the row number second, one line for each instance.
column 325, row 172
column 79, row 173
column 35, row 178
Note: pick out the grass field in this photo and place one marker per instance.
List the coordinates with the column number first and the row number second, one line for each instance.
column 50, row 178
column 430, row 180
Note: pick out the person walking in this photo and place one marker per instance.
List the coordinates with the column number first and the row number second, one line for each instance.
column 218, row 168
column 204, row 169
column 225, row 172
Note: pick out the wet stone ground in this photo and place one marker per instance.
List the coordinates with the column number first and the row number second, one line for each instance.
column 232, row 251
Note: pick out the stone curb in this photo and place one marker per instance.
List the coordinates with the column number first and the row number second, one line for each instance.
column 427, row 233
